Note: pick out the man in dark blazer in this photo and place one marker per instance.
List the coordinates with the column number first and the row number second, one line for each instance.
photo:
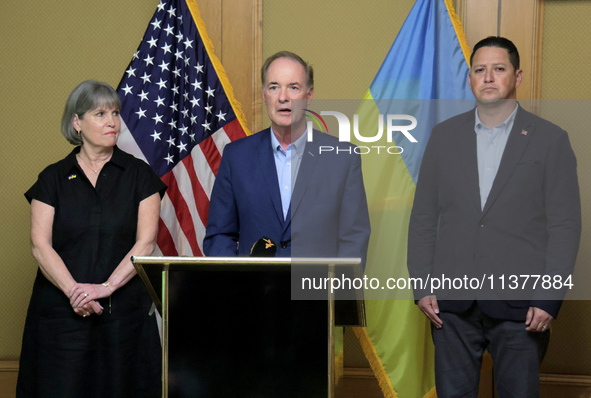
column 497, row 195
column 323, row 214
column 311, row 203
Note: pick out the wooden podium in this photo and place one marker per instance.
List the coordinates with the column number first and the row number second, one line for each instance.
column 232, row 328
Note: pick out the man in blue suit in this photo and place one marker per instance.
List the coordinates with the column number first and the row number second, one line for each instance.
column 311, row 203
column 497, row 195
column 279, row 184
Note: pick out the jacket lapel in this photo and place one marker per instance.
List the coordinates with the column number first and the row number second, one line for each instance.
column 305, row 173
column 516, row 144
column 269, row 171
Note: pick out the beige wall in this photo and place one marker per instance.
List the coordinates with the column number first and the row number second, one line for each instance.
column 346, row 41
column 567, row 49
column 566, row 56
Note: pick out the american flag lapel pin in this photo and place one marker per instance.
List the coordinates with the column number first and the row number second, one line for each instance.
column 523, row 132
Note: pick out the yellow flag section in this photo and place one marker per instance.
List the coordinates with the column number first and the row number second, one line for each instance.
column 397, row 340
column 428, row 61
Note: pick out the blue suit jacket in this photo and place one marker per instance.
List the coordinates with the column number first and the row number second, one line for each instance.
column 530, row 224
column 328, row 217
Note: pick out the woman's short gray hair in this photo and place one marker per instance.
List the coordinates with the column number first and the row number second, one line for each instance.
column 87, row 96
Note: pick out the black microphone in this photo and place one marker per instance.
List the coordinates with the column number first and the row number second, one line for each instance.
column 264, row 247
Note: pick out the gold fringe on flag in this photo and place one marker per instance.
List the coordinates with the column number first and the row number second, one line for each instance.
column 375, row 363
column 192, row 4
column 459, row 28
column 339, row 366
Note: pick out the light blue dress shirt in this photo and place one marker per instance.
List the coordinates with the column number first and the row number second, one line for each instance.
column 287, row 163
column 490, row 146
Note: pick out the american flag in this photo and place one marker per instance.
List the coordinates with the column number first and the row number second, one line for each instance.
column 177, row 114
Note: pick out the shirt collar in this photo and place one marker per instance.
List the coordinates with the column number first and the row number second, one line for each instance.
column 297, row 146
column 478, row 124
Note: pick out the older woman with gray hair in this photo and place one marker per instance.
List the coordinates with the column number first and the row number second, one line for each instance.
column 89, row 331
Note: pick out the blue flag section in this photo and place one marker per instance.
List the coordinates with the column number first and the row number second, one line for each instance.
column 427, row 61
column 426, row 65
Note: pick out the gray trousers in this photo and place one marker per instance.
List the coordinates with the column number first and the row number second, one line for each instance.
column 460, row 344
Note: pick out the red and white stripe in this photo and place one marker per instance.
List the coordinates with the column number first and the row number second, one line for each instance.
column 184, row 209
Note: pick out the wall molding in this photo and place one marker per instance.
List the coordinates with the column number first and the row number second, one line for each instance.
column 573, row 385
column 9, row 373
column 522, row 22
column 235, row 27
column 8, row 376
column 358, row 373
column 565, row 380
column 8, row 366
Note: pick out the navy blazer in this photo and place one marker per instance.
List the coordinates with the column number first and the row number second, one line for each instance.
column 530, row 224
column 328, row 213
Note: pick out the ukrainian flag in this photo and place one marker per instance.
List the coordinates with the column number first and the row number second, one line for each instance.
column 428, row 60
